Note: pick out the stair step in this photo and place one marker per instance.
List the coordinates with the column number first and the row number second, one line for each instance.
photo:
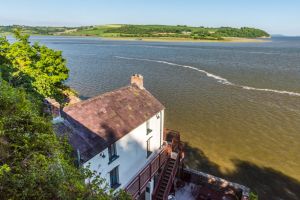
column 159, row 197
column 163, row 182
column 167, row 177
column 161, row 192
column 163, row 189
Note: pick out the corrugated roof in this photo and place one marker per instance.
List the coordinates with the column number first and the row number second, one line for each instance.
column 104, row 119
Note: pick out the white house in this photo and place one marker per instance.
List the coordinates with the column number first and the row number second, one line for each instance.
column 119, row 135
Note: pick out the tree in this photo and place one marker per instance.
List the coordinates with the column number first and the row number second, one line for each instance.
column 34, row 163
column 36, row 68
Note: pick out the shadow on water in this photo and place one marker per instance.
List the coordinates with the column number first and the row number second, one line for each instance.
column 267, row 182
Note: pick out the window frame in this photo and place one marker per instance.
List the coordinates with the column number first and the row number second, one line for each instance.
column 114, row 177
column 112, row 153
column 148, row 147
column 148, row 129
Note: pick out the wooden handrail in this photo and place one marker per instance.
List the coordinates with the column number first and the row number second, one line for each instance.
column 132, row 188
column 171, row 179
column 156, row 187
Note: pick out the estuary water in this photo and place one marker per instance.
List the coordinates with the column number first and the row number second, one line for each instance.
column 237, row 105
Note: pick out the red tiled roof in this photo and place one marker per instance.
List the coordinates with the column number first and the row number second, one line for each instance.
column 104, row 119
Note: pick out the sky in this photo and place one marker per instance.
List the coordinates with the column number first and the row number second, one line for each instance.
column 274, row 16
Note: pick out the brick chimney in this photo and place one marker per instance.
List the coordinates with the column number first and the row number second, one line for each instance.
column 138, row 80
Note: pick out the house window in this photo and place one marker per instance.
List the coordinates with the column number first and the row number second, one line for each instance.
column 149, row 152
column 157, row 116
column 114, row 178
column 149, row 130
column 112, row 153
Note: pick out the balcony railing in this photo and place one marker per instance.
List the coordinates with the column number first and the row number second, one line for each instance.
column 139, row 183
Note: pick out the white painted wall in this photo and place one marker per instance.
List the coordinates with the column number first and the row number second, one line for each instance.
column 148, row 195
column 132, row 151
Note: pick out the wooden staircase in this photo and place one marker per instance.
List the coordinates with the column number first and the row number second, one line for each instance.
column 166, row 179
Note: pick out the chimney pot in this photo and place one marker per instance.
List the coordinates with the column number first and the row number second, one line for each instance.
column 138, row 80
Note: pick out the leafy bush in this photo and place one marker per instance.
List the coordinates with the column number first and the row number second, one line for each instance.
column 253, row 196
column 34, row 163
column 34, row 67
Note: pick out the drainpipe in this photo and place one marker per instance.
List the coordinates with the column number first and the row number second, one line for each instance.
column 161, row 118
column 78, row 157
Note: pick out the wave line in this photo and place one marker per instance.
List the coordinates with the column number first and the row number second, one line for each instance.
column 219, row 79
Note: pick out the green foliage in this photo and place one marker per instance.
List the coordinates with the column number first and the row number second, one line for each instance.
column 34, row 163
column 242, row 32
column 36, row 68
column 253, row 196
column 140, row 31
column 40, row 30
column 169, row 31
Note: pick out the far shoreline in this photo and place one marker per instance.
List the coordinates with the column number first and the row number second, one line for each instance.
column 163, row 39
column 228, row 39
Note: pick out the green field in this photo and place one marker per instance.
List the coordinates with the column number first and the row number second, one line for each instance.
column 143, row 31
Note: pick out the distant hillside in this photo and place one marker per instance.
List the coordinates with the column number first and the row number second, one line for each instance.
column 144, row 31
column 35, row 30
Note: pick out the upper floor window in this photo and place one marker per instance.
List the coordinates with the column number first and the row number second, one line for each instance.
column 149, row 130
column 114, row 178
column 112, row 153
column 149, row 152
column 157, row 116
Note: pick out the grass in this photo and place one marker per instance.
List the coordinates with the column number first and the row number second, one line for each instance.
column 147, row 32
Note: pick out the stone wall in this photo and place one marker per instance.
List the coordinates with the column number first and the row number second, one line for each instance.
column 198, row 177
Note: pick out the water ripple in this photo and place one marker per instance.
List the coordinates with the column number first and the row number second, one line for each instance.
column 219, row 79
